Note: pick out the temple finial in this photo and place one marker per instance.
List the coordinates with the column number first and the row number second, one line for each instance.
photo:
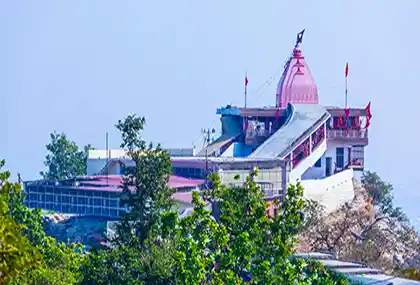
column 299, row 38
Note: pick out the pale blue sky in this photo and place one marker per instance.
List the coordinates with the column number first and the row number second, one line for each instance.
column 79, row 66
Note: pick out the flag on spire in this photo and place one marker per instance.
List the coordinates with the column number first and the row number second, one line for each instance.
column 246, row 80
column 347, row 69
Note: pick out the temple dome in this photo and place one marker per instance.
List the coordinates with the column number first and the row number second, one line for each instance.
column 296, row 85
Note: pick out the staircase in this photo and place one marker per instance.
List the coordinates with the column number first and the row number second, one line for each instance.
column 297, row 172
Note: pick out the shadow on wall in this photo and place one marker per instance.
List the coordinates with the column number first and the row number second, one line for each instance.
column 332, row 191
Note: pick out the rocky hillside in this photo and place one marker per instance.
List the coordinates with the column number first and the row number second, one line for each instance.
column 365, row 231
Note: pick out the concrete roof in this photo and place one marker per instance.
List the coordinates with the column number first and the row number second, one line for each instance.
column 112, row 183
column 304, row 119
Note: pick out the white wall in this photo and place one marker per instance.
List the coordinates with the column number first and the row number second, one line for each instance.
column 332, row 151
column 319, row 172
column 229, row 151
column 332, row 191
column 315, row 172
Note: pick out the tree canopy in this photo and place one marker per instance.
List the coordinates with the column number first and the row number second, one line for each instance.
column 27, row 254
column 64, row 159
column 16, row 252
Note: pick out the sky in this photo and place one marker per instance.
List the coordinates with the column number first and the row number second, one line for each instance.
column 80, row 66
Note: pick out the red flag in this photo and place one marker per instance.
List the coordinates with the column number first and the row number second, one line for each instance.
column 367, row 109
column 367, row 123
column 347, row 69
column 278, row 113
column 368, row 116
column 246, row 80
column 340, row 122
column 346, row 113
column 245, row 124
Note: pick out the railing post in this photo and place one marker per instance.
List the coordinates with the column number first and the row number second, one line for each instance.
column 310, row 144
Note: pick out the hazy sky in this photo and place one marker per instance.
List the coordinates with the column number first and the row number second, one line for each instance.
column 79, row 66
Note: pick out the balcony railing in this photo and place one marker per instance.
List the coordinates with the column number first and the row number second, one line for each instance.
column 347, row 134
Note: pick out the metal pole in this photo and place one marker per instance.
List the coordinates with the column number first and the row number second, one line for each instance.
column 207, row 164
column 207, row 144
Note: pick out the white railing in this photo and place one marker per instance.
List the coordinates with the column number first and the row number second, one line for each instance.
column 297, row 171
column 347, row 134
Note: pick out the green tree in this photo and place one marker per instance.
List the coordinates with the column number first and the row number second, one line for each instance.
column 145, row 190
column 313, row 213
column 382, row 196
column 64, row 159
column 138, row 255
column 16, row 252
column 51, row 262
column 244, row 246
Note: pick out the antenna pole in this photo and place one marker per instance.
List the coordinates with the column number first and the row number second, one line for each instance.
column 207, row 133
column 107, row 159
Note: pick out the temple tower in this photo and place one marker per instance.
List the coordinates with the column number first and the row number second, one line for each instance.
column 296, row 84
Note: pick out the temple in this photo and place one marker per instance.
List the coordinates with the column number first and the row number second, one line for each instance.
column 295, row 140
column 317, row 141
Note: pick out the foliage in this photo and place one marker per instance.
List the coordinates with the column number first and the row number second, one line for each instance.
column 138, row 254
column 16, row 252
column 145, row 190
column 64, row 160
column 313, row 213
column 56, row 263
column 126, row 265
column 381, row 195
column 244, row 245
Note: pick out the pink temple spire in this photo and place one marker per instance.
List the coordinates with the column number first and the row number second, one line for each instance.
column 296, row 85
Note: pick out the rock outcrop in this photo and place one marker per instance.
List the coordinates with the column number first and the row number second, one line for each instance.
column 358, row 231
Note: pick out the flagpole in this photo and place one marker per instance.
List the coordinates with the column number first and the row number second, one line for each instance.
column 345, row 100
column 346, row 73
column 246, row 83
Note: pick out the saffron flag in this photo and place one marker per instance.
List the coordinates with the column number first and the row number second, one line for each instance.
column 246, row 80
column 347, row 70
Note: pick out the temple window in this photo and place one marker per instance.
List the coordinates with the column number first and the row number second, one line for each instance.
column 357, row 156
column 339, row 161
